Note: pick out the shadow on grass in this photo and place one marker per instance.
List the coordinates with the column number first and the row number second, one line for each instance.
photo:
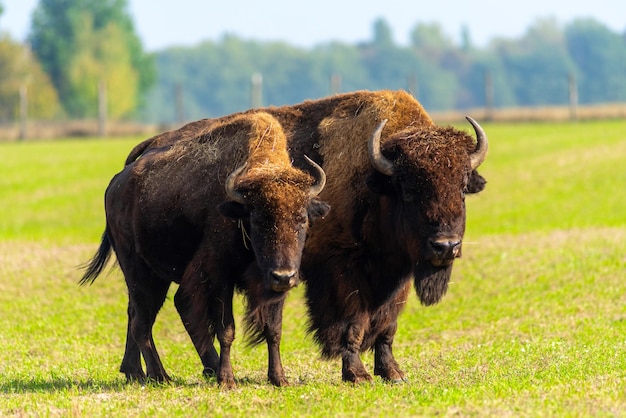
column 17, row 386
column 59, row 385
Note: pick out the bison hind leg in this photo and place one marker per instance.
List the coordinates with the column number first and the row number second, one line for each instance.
column 131, row 363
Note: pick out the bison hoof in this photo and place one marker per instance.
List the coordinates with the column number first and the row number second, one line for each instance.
column 279, row 381
column 394, row 378
column 160, row 377
column 357, row 378
column 391, row 374
column 135, row 377
column 228, row 385
column 133, row 374
column 227, row 382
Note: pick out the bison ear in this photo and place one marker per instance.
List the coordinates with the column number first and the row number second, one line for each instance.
column 476, row 183
column 317, row 209
column 379, row 183
column 233, row 210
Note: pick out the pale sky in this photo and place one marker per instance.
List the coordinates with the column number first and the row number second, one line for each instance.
column 162, row 23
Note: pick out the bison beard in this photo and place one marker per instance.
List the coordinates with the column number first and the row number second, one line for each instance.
column 431, row 282
column 262, row 306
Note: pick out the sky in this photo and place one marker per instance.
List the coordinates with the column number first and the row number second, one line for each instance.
column 165, row 23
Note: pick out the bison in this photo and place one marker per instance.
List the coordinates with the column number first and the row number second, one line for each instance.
column 397, row 184
column 217, row 206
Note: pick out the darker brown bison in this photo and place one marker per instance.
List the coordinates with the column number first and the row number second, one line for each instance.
column 219, row 207
column 397, row 184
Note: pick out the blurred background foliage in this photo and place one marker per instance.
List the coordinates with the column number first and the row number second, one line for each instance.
column 77, row 47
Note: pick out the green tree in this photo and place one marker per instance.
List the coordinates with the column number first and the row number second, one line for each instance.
column 290, row 75
column 81, row 43
column 537, row 65
column 338, row 59
column 529, row 70
column 479, row 68
column 600, row 57
column 466, row 39
column 20, row 69
column 430, row 37
column 100, row 56
column 383, row 37
column 387, row 65
column 438, row 64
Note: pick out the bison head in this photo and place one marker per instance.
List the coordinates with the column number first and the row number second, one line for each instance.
column 424, row 174
column 277, row 206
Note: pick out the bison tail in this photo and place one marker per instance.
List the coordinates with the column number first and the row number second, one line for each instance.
column 97, row 263
column 138, row 151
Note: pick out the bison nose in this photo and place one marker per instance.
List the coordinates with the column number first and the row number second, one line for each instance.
column 283, row 279
column 445, row 248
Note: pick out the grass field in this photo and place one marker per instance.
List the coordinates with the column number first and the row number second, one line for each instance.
column 534, row 323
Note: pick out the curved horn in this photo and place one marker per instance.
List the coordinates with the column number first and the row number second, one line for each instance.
column 482, row 144
column 320, row 178
column 380, row 163
column 231, row 191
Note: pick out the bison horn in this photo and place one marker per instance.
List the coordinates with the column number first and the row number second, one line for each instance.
column 320, row 178
column 231, row 191
column 378, row 160
column 482, row 144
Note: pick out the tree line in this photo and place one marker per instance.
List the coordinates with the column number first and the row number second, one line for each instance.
column 74, row 46
column 73, row 49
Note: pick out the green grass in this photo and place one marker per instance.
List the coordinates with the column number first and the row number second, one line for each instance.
column 534, row 323
column 54, row 191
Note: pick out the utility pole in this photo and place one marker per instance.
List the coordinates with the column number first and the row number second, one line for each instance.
column 23, row 111
column 179, row 103
column 573, row 97
column 102, row 109
column 256, row 95
column 335, row 83
column 489, row 95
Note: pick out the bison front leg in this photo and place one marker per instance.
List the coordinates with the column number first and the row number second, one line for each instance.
column 225, row 330
column 352, row 368
column 273, row 334
column 385, row 321
column 385, row 364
